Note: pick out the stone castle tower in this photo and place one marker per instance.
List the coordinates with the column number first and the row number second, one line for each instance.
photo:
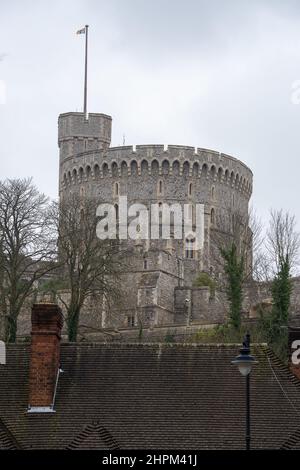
column 161, row 274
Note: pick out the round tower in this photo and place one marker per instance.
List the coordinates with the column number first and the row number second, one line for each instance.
column 154, row 174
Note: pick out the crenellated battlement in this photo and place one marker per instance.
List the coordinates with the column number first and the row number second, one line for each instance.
column 158, row 161
column 78, row 133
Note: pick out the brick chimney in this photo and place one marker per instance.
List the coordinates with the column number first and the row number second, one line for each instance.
column 47, row 322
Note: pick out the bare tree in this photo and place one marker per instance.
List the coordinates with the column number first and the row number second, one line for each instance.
column 235, row 236
column 243, row 230
column 282, row 251
column 282, row 240
column 90, row 266
column 27, row 247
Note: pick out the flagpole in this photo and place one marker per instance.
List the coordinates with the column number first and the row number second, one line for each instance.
column 85, row 72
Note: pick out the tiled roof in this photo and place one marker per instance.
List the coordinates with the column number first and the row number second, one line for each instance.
column 293, row 442
column 94, row 436
column 153, row 396
column 7, row 442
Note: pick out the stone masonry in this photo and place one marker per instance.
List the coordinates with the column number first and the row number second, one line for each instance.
column 158, row 294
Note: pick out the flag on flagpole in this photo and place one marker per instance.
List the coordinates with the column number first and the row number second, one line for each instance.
column 85, row 31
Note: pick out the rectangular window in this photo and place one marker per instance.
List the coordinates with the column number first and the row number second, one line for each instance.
column 190, row 248
column 130, row 320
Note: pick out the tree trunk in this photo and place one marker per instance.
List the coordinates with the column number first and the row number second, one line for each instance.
column 11, row 329
column 72, row 324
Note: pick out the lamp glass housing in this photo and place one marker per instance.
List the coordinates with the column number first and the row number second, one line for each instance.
column 245, row 368
column 244, row 363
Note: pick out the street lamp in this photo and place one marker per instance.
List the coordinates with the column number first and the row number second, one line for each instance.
column 245, row 361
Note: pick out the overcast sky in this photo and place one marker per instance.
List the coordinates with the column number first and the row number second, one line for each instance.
column 206, row 73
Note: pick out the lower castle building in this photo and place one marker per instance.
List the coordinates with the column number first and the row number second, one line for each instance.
column 159, row 297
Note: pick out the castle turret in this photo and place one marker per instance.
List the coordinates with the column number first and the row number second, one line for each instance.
column 77, row 134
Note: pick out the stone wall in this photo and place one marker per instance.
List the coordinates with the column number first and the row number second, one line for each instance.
column 157, row 271
column 260, row 293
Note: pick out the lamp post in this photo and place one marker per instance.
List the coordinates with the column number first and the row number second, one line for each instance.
column 245, row 361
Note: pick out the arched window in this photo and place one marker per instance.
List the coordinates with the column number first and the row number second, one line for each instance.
column 116, row 189
column 160, row 187
column 190, row 189
column 186, row 168
column 124, row 169
column 117, row 220
column 88, row 172
column 144, row 167
column 96, row 171
column 134, row 167
column 204, row 170
column 233, row 223
column 213, row 171
column 176, row 168
column 82, row 218
column 154, row 167
column 220, row 173
column 105, row 169
column 165, row 167
column 212, row 216
column 160, row 224
column 145, row 264
column 74, row 176
column 195, row 170
column 189, row 248
column 172, row 225
column 114, row 169
column 213, row 192
column 117, row 211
